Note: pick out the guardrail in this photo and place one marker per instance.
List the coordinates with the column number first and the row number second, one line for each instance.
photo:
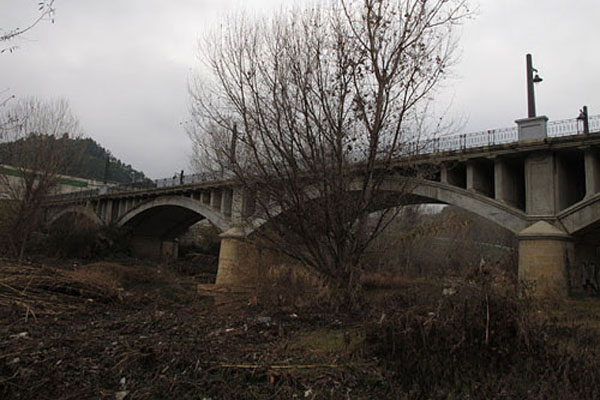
column 490, row 137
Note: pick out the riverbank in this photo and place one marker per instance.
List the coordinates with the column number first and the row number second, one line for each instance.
column 112, row 331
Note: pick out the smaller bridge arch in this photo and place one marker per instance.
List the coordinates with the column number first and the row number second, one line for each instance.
column 77, row 210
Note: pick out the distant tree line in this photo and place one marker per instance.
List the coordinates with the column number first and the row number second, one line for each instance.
column 87, row 159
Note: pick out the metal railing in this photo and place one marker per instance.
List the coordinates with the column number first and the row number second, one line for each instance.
column 490, row 137
column 568, row 127
column 178, row 180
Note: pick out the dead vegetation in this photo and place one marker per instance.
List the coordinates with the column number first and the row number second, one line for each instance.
column 113, row 331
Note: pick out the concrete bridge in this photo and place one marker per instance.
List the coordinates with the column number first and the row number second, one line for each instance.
column 539, row 180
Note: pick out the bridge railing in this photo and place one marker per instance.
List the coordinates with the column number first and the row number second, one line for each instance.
column 490, row 137
column 75, row 196
column 189, row 179
column 568, row 127
column 483, row 138
column 158, row 183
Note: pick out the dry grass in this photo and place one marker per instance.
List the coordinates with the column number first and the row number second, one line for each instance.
column 50, row 291
column 293, row 286
column 386, row 280
column 111, row 278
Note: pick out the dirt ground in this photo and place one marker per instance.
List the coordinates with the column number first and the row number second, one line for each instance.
column 129, row 331
column 110, row 331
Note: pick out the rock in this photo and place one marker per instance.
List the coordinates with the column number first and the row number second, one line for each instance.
column 121, row 395
column 20, row 335
column 262, row 320
column 449, row 291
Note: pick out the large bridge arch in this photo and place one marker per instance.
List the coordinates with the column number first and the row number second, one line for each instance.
column 420, row 191
column 500, row 213
column 581, row 216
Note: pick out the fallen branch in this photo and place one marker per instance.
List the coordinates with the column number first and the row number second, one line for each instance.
column 287, row 367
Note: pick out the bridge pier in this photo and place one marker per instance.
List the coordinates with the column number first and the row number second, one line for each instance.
column 546, row 260
column 238, row 262
column 246, row 268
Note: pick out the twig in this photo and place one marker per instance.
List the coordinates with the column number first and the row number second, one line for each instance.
column 487, row 321
column 28, row 311
column 287, row 367
column 11, row 288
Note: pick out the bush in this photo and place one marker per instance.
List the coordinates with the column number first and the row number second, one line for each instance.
column 80, row 238
column 479, row 342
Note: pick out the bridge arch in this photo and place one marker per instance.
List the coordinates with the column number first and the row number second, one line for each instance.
column 581, row 216
column 184, row 203
column 156, row 224
column 76, row 210
column 502, row 214
column 425, row 191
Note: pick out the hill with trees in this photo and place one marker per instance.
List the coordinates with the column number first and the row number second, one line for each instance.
column 88, row 160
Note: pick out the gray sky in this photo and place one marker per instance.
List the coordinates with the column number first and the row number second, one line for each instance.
column 124, row 66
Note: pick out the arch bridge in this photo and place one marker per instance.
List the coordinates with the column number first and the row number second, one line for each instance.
column 546, row 190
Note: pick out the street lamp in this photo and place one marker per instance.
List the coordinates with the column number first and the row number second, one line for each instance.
column 531, row 79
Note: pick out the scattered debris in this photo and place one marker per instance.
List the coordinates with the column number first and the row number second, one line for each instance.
column 121, row 395
column 449, row 291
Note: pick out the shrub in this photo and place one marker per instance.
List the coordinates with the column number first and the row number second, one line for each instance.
column 80, row 238
column 480, row 342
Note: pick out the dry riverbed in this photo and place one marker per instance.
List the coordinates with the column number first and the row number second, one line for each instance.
column 109, row 331
column 120, row 332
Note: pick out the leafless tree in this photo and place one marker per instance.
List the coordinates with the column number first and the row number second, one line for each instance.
column 33, row 140
column 46, row 10
column 309, row 108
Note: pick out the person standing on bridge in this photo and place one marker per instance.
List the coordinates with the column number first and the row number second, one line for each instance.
column 181, row 177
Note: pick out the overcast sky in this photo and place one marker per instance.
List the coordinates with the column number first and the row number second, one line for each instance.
column 124, row 66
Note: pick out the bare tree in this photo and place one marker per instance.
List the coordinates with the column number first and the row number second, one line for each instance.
column 33, row 140
column 309, row 109
column 45, row 12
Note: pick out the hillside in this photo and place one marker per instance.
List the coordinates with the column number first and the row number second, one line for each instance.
column 87, row 160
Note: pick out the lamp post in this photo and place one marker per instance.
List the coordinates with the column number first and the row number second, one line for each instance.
column 531, row 79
